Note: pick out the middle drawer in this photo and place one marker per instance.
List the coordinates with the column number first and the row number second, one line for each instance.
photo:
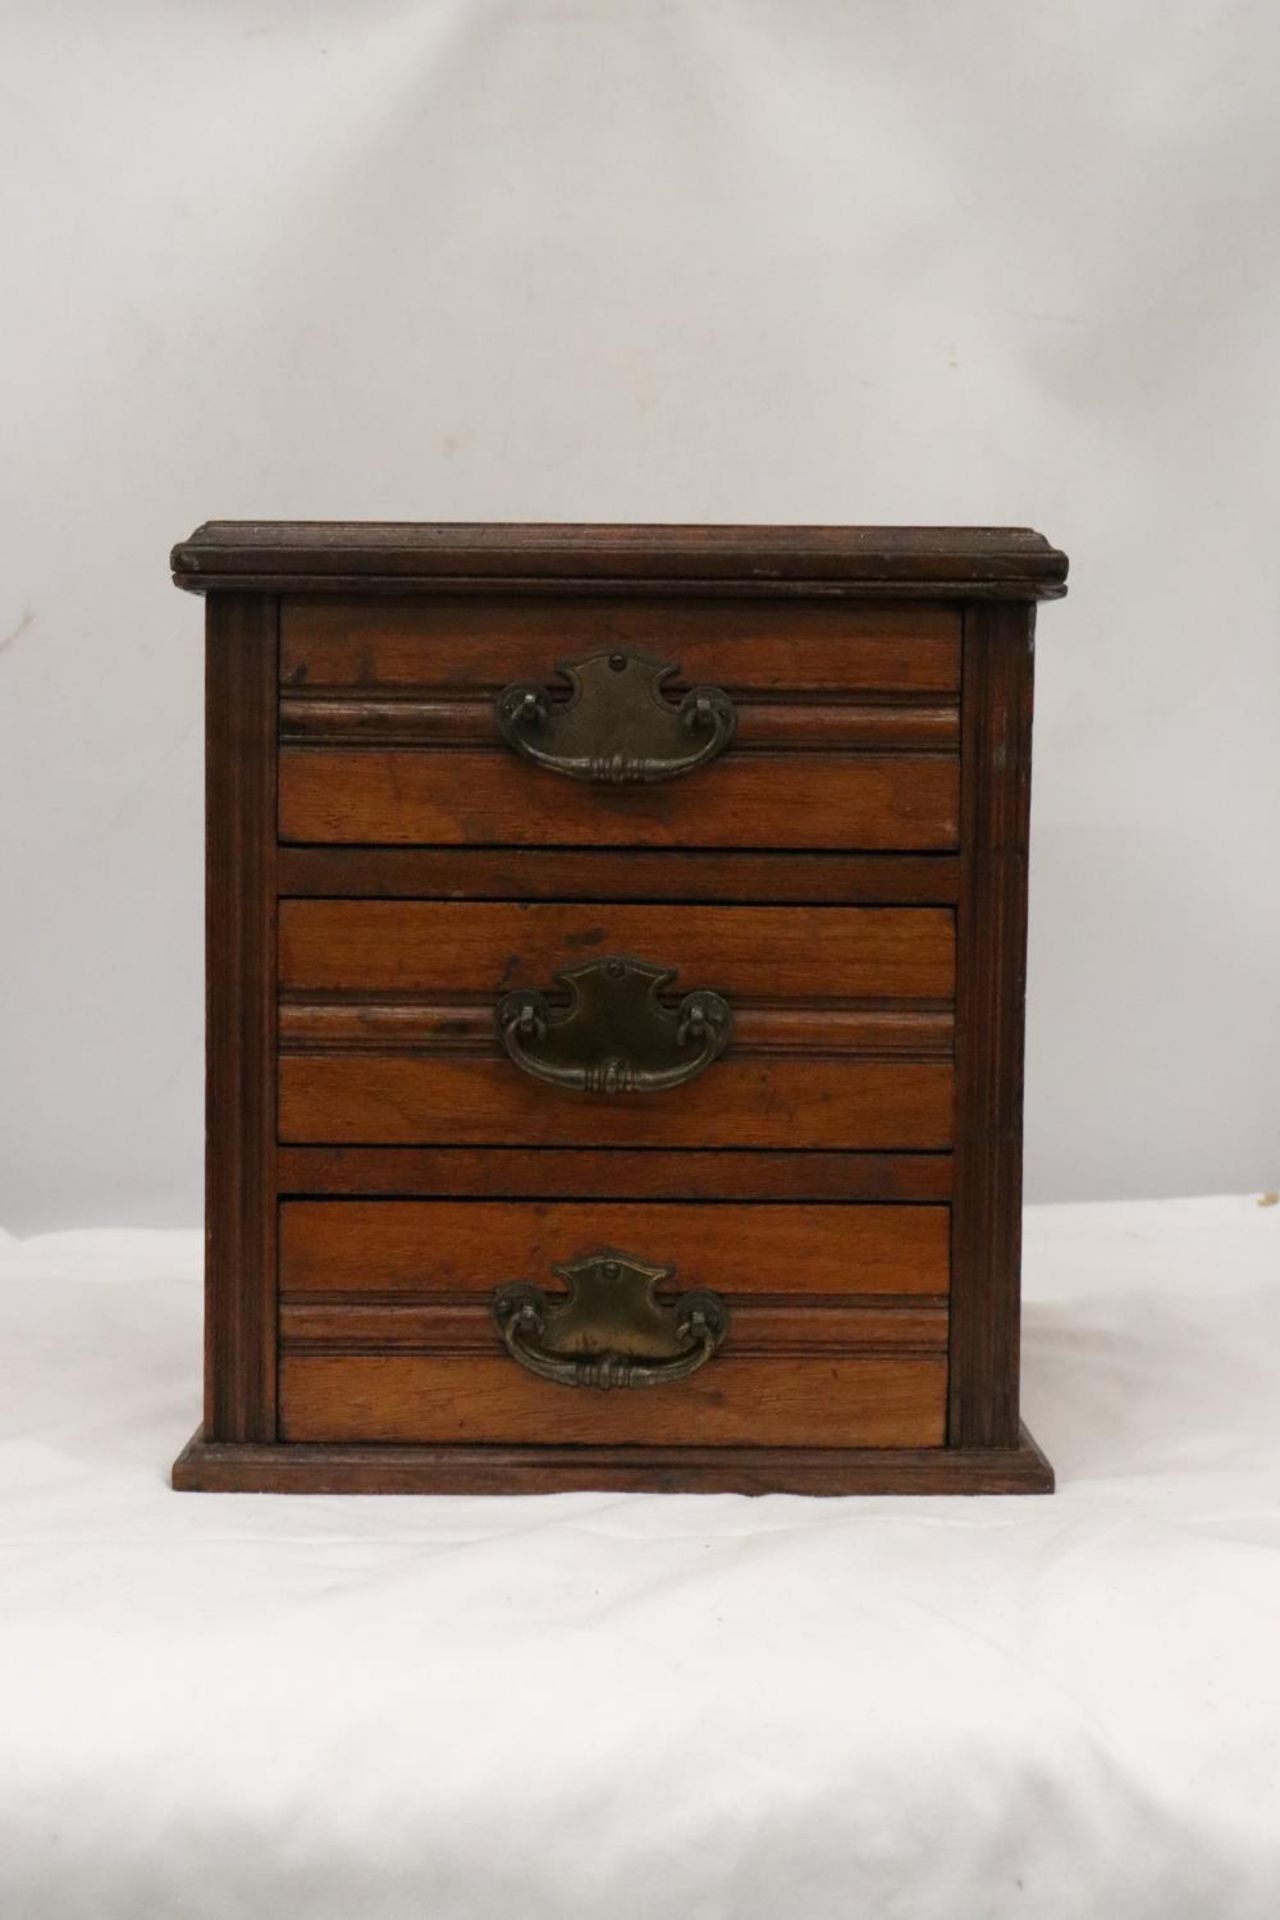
column 828, row 1026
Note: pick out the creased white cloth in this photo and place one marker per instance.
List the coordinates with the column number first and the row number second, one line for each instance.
column 619, row 1706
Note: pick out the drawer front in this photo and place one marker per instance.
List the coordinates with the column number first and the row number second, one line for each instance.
column 846, row 725
column 836, row 1322
column 420, row 1100
column 451, row 644
column 348, row 1256
column 841, row 1036
column 821, row 955
column 814, row 1399
column 416, row 797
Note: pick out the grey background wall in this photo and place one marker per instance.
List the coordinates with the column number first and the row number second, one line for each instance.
column 626, row 259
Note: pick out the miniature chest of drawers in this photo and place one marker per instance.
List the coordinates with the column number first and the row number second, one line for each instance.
column 616, row 955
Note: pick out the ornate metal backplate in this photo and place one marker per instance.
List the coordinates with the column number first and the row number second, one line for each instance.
column 610, row 1330
column 615, row 1036
column 617, row 727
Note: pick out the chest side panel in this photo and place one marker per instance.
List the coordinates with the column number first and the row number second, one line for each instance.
column 240, row 922
column 996, row 705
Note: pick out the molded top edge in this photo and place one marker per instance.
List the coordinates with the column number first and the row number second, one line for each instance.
column 316, row 554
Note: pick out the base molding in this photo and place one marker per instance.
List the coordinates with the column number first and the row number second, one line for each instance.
column 215, row 1466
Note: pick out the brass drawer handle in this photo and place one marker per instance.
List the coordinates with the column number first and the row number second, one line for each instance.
column 615, row 1036
column 617, row 728
column 610, row 1330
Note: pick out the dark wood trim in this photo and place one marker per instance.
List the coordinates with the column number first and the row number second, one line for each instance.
column 763, row 1326
column 996, row 702
column 373, row 1023
column 211, row 1467
column 758, row 560
column 553, row 1173
column 587, row 587
column 240, row 1211
column 550, row 873
column 352, row 718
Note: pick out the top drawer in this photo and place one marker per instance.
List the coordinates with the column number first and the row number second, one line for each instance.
column 846, row 723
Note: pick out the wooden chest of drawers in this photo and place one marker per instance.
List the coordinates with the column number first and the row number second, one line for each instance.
column 616, row 951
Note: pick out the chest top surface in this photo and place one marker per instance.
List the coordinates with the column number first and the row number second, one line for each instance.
column 880, row 562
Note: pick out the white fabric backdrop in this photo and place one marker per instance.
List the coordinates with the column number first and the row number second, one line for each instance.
column 222, row 1707
column 835, row 260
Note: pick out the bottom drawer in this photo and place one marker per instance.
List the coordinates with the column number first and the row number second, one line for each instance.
column 656, row 1323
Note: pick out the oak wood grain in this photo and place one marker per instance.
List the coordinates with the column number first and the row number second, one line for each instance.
column 760, row 953
column 477, row 796
column 421, row 1247
column 742, row 1101
column 749, row 648
column 787, row 1400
